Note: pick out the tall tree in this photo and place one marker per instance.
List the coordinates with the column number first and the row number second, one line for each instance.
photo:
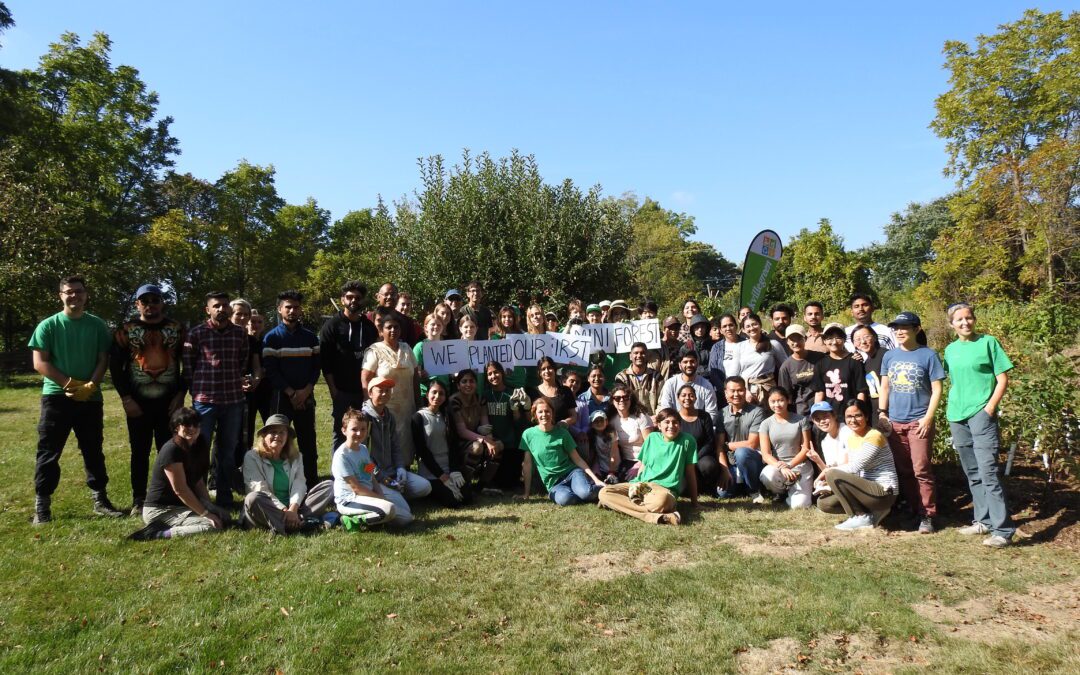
column 1011, row 120
column 897, row 263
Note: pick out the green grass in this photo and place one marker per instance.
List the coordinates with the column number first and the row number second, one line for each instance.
column 491, row 588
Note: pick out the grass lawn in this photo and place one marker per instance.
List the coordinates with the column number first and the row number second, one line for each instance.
column 512, row 586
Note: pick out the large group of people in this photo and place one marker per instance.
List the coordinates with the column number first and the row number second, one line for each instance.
column 833, row 415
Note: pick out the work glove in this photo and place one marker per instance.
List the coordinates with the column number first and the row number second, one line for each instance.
column 83, row 392
column 401, row 476
column 73, row 386
column 637, row 492
column 520, row 400
column 454, row 490
column 457, row 480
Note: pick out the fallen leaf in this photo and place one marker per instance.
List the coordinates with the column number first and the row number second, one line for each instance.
column 391, row 616
column 285, row 611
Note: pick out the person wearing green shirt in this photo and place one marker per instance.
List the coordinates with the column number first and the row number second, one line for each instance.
column 567, row 477
column 71, row 351
column 978, row 371
column 667, row 466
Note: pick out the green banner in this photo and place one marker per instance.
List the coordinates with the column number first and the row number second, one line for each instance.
column 762, row 259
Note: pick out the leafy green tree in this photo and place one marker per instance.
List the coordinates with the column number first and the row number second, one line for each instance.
column 815, row 266
column 897, row 263
column 1011, row 121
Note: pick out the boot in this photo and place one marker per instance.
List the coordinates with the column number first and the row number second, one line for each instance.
column 103, row 507
column 42, row 509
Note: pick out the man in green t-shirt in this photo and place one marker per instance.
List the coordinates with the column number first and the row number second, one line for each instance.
column 71, row 350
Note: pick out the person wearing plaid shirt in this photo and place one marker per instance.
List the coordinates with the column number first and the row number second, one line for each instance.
column 215, row 356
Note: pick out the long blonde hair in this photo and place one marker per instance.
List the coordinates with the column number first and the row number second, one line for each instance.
column 289, row 452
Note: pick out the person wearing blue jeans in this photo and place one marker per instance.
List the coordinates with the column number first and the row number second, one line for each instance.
column 741, row 424
column 227, row 420
column 567, row 477
column 575, row 488
column 978, row 370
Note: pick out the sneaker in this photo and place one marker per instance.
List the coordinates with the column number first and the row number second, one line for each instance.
column 759, row 499
column 973, row 529
column 330, row 519
column 136, row 509
column 491, row 492
column 996, row 541
column 673, row 518
column 103, row 507
column 859, row 522
column 42, row 510
column 926, row 525
column 155, row 530
column 309, row 525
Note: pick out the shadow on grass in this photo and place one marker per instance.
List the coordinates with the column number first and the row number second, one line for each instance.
column 423, row 523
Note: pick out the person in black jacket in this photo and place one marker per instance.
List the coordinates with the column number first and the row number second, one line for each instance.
column 342, row 342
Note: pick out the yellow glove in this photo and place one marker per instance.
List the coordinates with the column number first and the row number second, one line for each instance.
column 84, row 392
column 73, row 386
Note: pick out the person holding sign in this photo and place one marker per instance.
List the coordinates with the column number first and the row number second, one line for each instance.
column 508, row 325
column 433, row 330
column 567, row 477
column 666, row 467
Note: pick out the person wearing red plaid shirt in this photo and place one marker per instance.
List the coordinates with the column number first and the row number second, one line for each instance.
column 215, row 357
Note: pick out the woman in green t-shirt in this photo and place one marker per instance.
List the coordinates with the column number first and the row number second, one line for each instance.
column 567, row 477
column 978, row 371
column 433, row 328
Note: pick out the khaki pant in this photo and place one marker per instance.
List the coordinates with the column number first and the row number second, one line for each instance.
column 656, row 502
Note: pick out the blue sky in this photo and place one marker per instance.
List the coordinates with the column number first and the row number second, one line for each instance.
column 773, row 116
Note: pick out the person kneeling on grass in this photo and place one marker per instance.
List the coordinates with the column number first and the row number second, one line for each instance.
column 278, row 498
column 567, row 477
column 866, row 484
column 177, row 502
column 358, row 496
column 667, row 464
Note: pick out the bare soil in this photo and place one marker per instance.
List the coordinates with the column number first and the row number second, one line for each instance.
column 615, row 564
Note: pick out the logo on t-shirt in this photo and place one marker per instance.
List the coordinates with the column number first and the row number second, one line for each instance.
column 834, row 387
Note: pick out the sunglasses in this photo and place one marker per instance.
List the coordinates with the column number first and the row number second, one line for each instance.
column 620, row 398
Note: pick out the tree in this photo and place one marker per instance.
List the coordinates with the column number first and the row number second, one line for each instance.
column 815, row 266
column 897, row 264
column 1011, row 120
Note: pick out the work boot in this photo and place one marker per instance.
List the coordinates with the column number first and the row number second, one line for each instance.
column 42, row 509
column 103, row 507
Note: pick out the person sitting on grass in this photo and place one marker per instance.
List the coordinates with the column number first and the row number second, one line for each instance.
column 603, row 445
column 667, row 462
column 359, row 498
column 866, row 485
column 472, row 432
column 785, row 443
column 177, row 502
column 278, row 498
column 398, row 483
column 441, row 460
column 567, row 477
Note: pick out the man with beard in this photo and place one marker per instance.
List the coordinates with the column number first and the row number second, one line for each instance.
column 145, row 368
column 342, row 342
column 215, row 358
column 291, row 361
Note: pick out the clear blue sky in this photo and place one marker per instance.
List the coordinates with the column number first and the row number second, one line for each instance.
column 773, row 116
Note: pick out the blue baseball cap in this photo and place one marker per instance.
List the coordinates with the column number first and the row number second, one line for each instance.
column 905, row 319
column 149, row 289
column 821, row 406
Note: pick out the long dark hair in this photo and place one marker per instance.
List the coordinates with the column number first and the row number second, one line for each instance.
column 634, row 408
column 763, row 343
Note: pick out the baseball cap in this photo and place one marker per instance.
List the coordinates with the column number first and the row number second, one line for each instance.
column 834, row 327
column 551, row 315
column 593, row 308
column 452, row 293
column 821, row 406
column 905, row 319
column 380, row 382
column 605, row 303
column 149, row 289
column 795, row 329
column 597, row 415
column 670, row 321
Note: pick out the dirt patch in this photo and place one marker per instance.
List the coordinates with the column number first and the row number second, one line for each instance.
column 792, row 543
column 841, row 653
column 1042, row 613
column 615, row 564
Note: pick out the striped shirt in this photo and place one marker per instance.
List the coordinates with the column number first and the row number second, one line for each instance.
column 291, row 358
column 869, row 457
column 214, row 363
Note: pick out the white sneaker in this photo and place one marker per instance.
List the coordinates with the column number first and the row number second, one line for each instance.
column 859, row 522
column 996, row 541
column 973, row 529
column 759, row 499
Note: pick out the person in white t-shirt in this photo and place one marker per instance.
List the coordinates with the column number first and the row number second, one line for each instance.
column 862, row 309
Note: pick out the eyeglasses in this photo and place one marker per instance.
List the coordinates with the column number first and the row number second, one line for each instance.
column 854, row 417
